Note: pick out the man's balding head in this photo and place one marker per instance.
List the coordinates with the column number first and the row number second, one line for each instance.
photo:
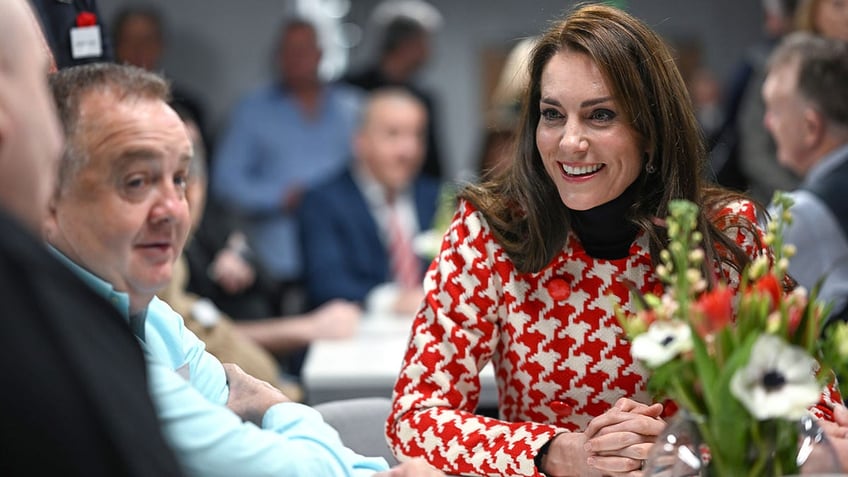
column 390, row 143
column 30, row 138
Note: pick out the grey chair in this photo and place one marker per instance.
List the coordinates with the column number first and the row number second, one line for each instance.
column 361, row 424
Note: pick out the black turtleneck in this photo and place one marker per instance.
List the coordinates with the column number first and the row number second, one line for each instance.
column 605, row 230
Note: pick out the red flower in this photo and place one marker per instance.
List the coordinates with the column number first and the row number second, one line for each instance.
column 670, row 408
column 795, row 315
column 714, row 310
column 769, row 286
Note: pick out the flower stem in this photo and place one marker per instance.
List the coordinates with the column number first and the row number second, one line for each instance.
column 762, row 452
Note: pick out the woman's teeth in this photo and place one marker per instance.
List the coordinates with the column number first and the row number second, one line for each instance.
column 581, row 170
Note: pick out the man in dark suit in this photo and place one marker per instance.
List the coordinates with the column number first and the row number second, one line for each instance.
column 358, row 227
column 75, row 398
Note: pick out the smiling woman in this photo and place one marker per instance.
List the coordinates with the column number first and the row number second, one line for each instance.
column 539, row 257
column 588, row 144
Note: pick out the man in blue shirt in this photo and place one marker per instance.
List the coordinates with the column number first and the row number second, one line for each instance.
column 283, row 138
column 119, row 219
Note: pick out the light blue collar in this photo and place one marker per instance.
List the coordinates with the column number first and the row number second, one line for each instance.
column 119, row 300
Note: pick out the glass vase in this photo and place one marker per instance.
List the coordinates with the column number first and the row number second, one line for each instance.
column 681, row 451
column 816, row 455
column 678, row 450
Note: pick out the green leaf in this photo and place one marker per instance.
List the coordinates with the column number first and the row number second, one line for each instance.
column 705, row 369
column 729, row 419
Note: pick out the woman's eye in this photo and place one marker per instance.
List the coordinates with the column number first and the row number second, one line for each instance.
column 180, row 181
column 603, row 115
column 551, row 114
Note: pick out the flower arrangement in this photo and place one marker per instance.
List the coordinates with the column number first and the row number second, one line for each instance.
column 746, row 365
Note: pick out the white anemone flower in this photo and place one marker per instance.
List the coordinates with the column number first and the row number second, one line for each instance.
column 779, row 380
column 664, row 340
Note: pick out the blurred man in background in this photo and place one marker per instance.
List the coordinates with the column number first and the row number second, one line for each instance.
column 406, row 28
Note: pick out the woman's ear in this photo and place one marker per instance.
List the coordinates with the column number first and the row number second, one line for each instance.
column 648, row 163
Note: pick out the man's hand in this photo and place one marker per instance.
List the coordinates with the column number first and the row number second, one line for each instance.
column 231, row 272
column 412, row 468
column 249, row 397
column 336, row 319
column 408, row 301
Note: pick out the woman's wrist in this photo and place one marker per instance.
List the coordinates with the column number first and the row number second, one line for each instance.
column 565, row 455
column 542, row 454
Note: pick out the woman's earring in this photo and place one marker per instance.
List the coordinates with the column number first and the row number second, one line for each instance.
column 650, row 168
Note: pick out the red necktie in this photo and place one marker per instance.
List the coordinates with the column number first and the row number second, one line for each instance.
column 405, row 267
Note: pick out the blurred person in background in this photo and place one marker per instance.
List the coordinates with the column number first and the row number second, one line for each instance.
column 247, row 343
column 405, row 28
column 505, row 109
column 358, row 227
column 702, row 85
column 743, row 154
column 807, row 113
column 282, row 139
column 823, row 17
column 222, row 267
column 139, row 39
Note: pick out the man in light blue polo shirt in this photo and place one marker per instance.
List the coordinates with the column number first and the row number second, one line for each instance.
column 119, row 219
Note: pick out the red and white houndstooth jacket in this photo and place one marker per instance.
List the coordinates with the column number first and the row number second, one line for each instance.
column 559, row 355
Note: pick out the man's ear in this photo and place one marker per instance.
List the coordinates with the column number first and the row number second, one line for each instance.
column 5, row 119
column 815, row 128
column 50, row 226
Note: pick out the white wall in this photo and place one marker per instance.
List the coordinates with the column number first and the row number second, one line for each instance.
column 220, row 48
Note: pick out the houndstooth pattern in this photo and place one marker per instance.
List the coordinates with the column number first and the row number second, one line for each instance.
column 560, row 358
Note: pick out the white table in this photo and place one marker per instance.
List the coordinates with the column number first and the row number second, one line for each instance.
column 368, row 364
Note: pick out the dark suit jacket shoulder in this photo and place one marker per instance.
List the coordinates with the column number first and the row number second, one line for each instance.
column 75, row 399
column 344, row 256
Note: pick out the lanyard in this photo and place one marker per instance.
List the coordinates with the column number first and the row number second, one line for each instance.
column 85, row 13
column 84, row 5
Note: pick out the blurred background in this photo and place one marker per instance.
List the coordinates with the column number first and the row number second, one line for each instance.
column 222, row 49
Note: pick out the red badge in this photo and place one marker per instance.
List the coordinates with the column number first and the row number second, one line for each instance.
column 86, row 19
